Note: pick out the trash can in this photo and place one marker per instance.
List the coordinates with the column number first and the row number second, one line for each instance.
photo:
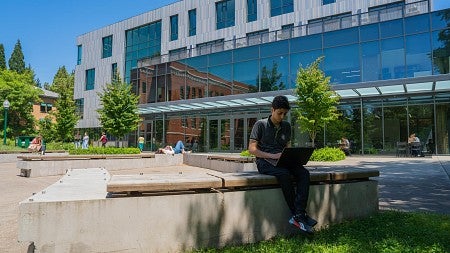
column 24, row 141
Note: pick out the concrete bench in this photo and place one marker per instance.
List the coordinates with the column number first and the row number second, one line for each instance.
column 49, row 165
column 182, row 211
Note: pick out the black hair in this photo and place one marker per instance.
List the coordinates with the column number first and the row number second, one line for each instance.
column 280, row 102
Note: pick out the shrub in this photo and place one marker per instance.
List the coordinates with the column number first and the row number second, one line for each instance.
column 59, row 145
column 246, row 153
column 104, row 151
column 327, row 154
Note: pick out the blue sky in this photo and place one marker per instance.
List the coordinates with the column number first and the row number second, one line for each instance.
column 47, row 29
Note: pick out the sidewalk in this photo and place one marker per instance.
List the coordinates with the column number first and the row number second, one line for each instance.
column 409, row 184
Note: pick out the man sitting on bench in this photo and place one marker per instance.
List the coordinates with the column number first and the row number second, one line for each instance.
column 267, row 140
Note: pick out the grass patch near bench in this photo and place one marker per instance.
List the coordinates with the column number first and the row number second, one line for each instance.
column 387, row 231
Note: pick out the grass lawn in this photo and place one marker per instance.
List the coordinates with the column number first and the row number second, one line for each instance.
column 387, row 231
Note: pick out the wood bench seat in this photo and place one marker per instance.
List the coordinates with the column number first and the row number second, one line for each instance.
column 241, row 159
column 218, row 180
column 82, row 157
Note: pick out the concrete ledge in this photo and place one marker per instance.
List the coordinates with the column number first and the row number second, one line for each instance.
column 223, row 163
column 41, row 166
column 74, row 215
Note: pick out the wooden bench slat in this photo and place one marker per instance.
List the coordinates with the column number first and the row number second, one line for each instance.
column 83, row 157
column 161, row 183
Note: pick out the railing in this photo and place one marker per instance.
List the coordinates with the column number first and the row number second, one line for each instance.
column 326, row 25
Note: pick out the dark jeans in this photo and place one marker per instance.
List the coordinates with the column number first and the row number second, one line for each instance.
column 296, row 200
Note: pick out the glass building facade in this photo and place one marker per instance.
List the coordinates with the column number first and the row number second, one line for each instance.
column 392, row 74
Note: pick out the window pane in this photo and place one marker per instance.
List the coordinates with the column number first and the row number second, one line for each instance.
column 220, row 58
column 174, row 27
column 441, row 51
column 306, row 43
column 245, row 77
column 107, row 46
column 392, row 58
column 192, row 22
column 274, row 73
column 302, row 60
column 274, row 48
column 370, row 57
column 416, row 24
column 369, row 32
column 440, row 19
column 219, row 80
column 340, row 37
column 252, row 10
column 342, row 64
column 246, row 53
column 418, row 62
column 224, row 14
column 391, row 28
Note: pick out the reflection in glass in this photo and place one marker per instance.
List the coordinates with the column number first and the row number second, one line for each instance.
column 245, row 80
column 342, row 64
column 392, row 58
column 301, row 60
column 219, row 81
column 370, row 59
column 418, row 62
column 274, row 73
column 441, row 51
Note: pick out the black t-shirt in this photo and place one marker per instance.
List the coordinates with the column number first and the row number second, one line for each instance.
column 271, row 139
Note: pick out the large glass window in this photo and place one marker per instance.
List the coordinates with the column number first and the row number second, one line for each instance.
column 219, row 80
column 274, row 73
column 306, row 43
column 440, row 19
column 246, row 79
column 192, row 22
column 418, row 62
column 274, row 48
column 173, row 27
column 246, row 53
column 252, row 10
column 392, row 58
column 370, row 60
column 369, row 32
column 79, row 54
column 416, row 24
column 141, row 42
column 342, row 64
column 278, row 7
column 90, row 79
column 391, row 28
column 441, row 51
column 224, row 14
column 302, row 60
column 107, row 46
column 340, row 37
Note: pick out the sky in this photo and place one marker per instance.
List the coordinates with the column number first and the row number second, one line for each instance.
column 47, row 29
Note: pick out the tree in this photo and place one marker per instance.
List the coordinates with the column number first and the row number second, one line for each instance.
column 46, row 128
column 2, row 57
column 119, row 113
column 316, row 101
column 19, row 89
column 17, row 62
column 65, row 114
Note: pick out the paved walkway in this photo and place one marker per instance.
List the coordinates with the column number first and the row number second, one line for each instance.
column 409, row 184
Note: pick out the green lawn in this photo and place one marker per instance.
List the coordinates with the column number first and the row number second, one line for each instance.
column 387, row 231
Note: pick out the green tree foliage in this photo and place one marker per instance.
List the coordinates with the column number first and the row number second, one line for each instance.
column 17, row 62
column 2, row 57
column 119, row 113
column 441, row 54
column 20, row 91
column 47, row 128
column 316, row 101
column 66, row 118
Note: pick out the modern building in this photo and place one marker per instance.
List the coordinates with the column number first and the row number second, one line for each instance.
column 206, row 70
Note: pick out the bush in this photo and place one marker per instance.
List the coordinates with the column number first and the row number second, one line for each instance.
column 59, row 145
column 327, row 155
column 104, row 151
column 246, row 153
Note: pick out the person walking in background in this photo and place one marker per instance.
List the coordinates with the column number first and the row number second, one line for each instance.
column 268, row 138
column 85, row 143
column 141, row 142
column 103, row 139
column 344, row 145
column 77, row 139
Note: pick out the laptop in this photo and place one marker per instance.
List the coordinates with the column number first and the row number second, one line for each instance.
column 291, row 156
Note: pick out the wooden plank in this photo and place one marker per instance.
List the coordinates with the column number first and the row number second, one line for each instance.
column 162, row 182
column 232, row 159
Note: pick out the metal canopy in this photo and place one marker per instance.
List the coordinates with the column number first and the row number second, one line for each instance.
column 402, row 87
